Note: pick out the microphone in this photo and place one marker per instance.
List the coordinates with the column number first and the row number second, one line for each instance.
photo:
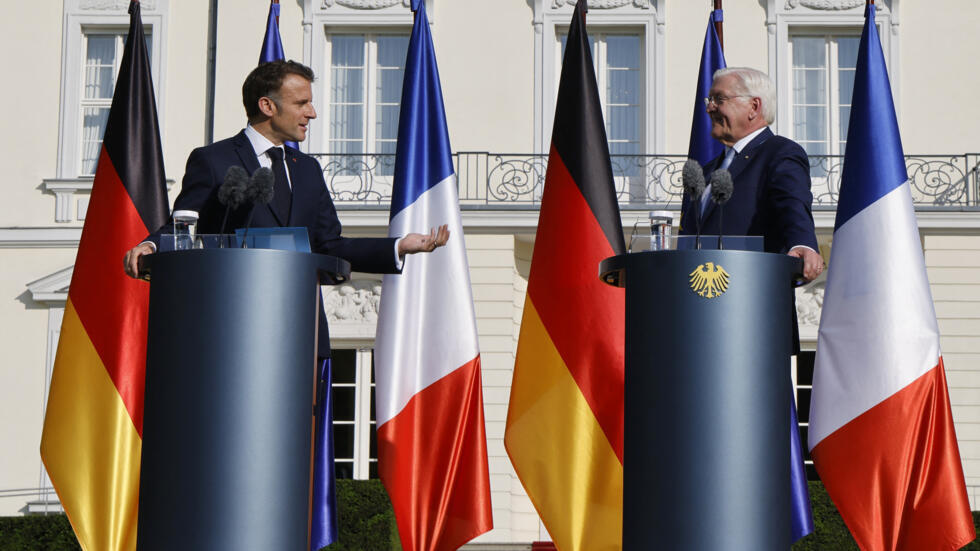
column 232, row 192
column 260, row 190
column 721, row 191
column 693, row 179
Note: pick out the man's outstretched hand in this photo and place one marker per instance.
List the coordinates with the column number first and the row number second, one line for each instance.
column 419, row 243
column 131, row 260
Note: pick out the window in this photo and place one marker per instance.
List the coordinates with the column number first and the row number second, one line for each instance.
column 820, row 99
column 354, row 428
column 94, row 35
column 103, row 52
column 366, row 72
column 804, row 388
column 628, row 48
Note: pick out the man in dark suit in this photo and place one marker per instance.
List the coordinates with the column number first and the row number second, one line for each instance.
column 771, row 195
column 278, row 101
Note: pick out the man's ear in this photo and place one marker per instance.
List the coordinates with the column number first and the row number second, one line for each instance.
column 756, row 104
column 267, row 107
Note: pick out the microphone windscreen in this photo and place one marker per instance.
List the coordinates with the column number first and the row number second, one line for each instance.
column 232, row 190
column 693, row 178
column 721, row 186
column 263, row 185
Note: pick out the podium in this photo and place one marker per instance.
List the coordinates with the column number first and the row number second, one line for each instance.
column 228, row 408
column 707, row 398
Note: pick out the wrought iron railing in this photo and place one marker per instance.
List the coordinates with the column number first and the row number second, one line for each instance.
column 516, row 181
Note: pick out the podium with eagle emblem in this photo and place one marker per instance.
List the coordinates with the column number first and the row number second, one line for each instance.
column 708, row 345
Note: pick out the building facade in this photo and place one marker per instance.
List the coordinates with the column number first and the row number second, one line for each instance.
column 499, row 62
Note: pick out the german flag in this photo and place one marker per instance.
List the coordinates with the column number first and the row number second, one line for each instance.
column 565, row 422
column 94, row 419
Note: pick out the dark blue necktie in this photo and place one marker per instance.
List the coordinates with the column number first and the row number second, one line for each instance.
column 282, row 199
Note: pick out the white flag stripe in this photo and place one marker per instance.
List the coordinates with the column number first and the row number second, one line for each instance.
column 426, row 327
column 878, row 332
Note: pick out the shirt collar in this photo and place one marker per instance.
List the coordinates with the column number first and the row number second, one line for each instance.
column 260, row 143
column 740, row 145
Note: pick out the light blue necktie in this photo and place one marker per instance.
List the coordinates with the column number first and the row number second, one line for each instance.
column 725, row 163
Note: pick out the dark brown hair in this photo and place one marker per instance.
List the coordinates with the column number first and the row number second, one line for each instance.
column 265, row 81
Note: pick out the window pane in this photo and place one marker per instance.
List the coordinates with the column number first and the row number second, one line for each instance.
column 343, row 440
column 342, row 363
column 93, row 127
column 809, row 51
column 814, row 149
column 845, row 85
column 390, row 74
column 347, row 72
column 810, row 123
column 99, row 57
column 623, row 86
column 392, row 50
column 346, row 122
column 623, row 123
column 845, row 118
column 847, row 51
column 623, row 51
column 344, row 468
column 346, row 85
column 343, row 403
column 809, row 87
column 347, row 51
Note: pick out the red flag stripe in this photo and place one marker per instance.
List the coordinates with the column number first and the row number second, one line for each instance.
column 111, row 306
column 584, row 317
column 441, row 427
column 907, row 445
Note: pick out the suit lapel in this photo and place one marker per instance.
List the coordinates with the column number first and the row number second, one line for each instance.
column 747, row 154
column 739, row 163
column 246, row 154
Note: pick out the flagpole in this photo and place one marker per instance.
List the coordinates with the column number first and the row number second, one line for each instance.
column 718, row 27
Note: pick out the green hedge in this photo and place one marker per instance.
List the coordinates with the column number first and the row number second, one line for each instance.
column 367, row 523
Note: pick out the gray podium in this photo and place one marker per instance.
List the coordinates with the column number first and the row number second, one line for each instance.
column 706, row 451
column 228, row 412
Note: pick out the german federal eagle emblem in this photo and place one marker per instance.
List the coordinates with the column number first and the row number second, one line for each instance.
column 709, row 280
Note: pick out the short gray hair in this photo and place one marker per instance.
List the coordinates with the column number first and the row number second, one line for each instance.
column 753, row 83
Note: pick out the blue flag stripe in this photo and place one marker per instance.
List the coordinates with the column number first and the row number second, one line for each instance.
column 703, row 148
column 423, row 156
column 874, row 163
column 272, row 45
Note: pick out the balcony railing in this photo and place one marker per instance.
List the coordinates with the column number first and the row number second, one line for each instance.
column 515, row 181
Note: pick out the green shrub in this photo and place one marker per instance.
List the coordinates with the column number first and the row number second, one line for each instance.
column 366, row 519
column 367, row 523
column 37, row 532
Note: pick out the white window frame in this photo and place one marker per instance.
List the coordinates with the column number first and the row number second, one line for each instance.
column 84, row 16
column 797, row 17
column 322, row 19
column 369, row 125
column 363, row 416
column 833, row 93
column 551, row 19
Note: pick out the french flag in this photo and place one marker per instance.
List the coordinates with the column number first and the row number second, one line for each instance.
column 881, row 431
column 432, row 448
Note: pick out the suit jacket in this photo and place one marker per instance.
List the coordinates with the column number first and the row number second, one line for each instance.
column 771, row 196
column 311, row 208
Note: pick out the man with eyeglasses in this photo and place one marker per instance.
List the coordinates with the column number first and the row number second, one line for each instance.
column 771, row 173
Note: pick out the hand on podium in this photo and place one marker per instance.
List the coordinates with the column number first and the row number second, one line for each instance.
column 131, row 260
column 812, row 261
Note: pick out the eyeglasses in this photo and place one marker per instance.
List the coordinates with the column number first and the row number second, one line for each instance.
column 719, row 99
